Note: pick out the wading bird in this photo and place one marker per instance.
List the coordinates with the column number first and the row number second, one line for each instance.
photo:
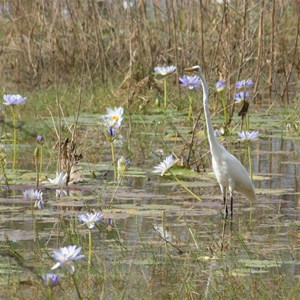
column 230, row 173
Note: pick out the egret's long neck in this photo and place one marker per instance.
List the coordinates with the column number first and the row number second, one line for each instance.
column 213, row 143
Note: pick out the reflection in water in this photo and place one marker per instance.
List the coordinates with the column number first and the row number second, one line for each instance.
column 207, row 241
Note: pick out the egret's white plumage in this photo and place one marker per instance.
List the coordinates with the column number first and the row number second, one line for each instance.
column 230, row 173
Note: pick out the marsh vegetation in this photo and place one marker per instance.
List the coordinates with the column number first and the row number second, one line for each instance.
column 83, row 212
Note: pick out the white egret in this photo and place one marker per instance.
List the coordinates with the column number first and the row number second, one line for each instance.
column 230, row 173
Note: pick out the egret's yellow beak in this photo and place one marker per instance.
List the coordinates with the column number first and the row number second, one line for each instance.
column 190, row 69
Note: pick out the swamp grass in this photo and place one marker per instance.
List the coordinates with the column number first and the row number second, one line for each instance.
column 73, row 59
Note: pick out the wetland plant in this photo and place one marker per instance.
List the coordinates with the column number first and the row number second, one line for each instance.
column 192, row 82
column 13, row 100
column 241, row 97
column 113, row 121
column 164, row 72
column 89, row 219
column 51, row 281
column 247, row 137
column 166, row 166
column 40, row 141
column 220, row 86
column 65, row 256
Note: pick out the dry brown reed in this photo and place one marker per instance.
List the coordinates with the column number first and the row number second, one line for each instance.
column 47, row 41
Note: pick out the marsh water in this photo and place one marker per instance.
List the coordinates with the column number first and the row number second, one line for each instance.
column 262, row 238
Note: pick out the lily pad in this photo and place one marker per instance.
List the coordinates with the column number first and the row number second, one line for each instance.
column 257, row 263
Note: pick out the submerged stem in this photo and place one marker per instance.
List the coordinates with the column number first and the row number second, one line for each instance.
column 224, row 104
column 165, row 92
column 90, row 250
column 113, row 159
column 190, row 106
column 76, row 286
column 249, row 160
column 186, row 188
column 50, row 293
column 15, row 136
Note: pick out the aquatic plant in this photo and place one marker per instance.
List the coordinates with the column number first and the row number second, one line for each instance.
column 32, row 194
column 113, row 117
column 113, row 121
column 60, row 179
column 220, row 86
column 40, row 141
column 242, row 96
column 3, row 164
column 164, row 71
column 13, row 100
column 51, row 280
column 192, row 82
column 122, row 164
column 39, row 203
column 247, row 137
column 245, row 83
column 65, row 257
column 89, row 219
column 166, row 166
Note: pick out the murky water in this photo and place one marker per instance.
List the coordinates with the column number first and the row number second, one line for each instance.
column 266, row 231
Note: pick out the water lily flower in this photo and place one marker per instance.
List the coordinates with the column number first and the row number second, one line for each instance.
column 40, row 139
column 241, row 96
column 223, row 1
column 5, row 10
column 244, row 84
column 13, row 99
column 60, row 179
column 220, row 85
column 89, row 219
column 219, row 132
column 114, row 117
column 110, row 221
column 128, row 4
column 192, row 82
column 51, row 280
column 32, row 194
column 248, row 136
column 66, row 256
column 166, row 165
column 39, row 204
column 163, row 71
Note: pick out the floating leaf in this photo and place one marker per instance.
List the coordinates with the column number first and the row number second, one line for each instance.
column 257, row 263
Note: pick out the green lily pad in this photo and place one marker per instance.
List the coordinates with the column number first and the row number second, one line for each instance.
column 257, row 263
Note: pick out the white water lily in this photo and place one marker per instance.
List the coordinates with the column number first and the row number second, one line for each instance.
column 165, row 165
column 248, row 135
column 51, row 279
column 60, row 179
column 32, row 194
column 89, row 219
column 164, row 70
column 39, row 204
column 13, row 99
column 66, row 256
column 113, row 117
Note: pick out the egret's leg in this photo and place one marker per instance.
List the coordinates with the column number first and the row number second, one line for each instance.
column 223, row 190
column 231, row 203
